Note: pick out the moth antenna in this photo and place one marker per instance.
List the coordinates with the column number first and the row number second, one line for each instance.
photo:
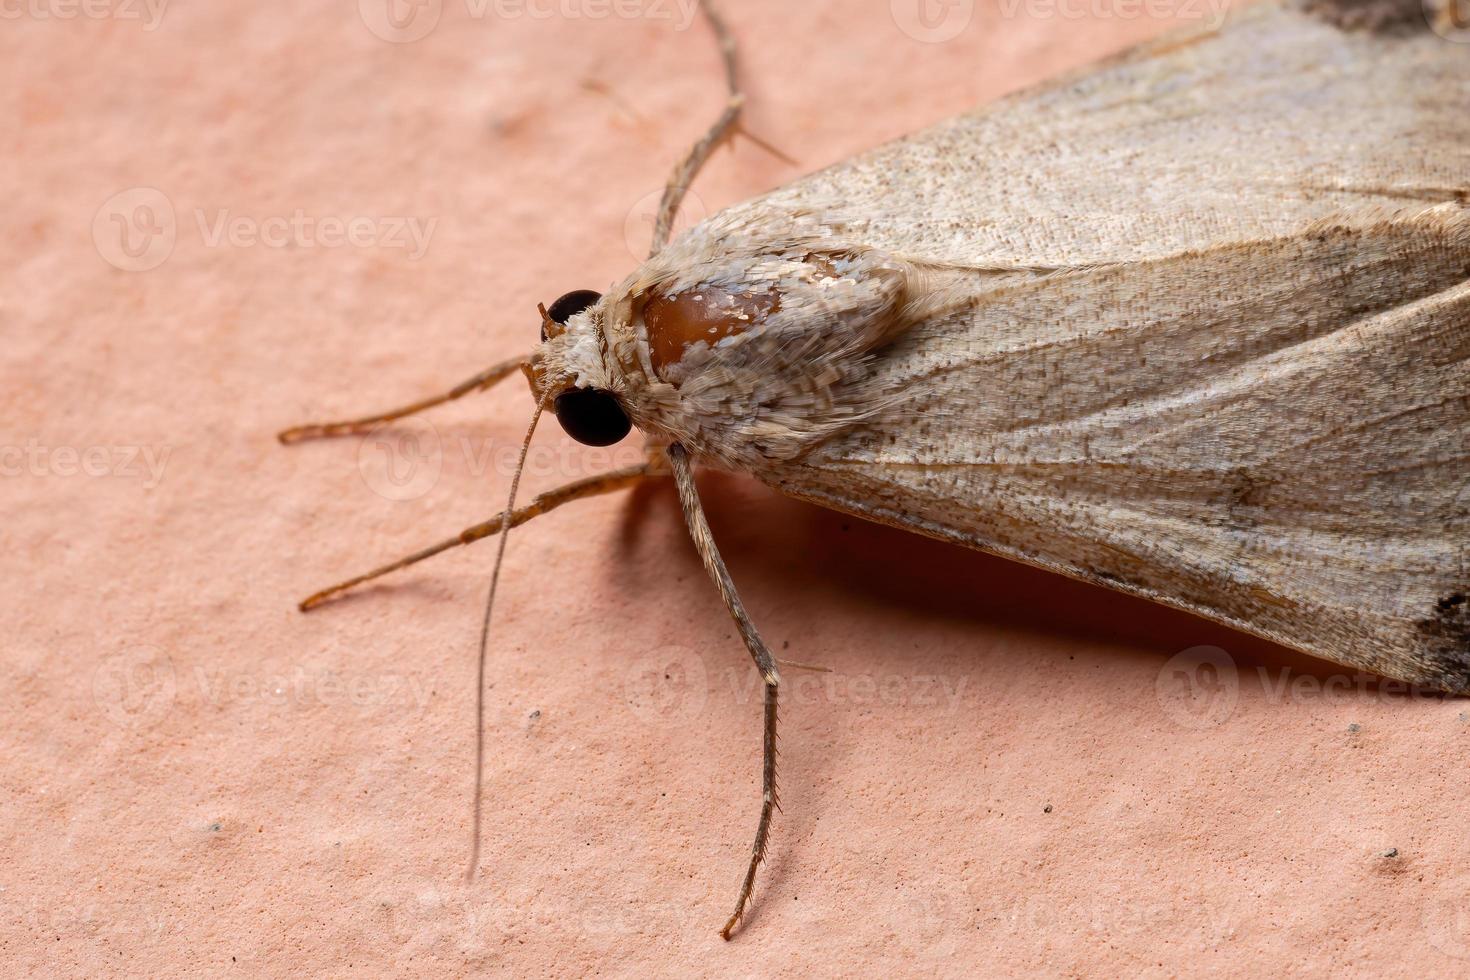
column 700, row 152
column 321, row 430
column 768, row 146
column 515, row 483
column 798, row 665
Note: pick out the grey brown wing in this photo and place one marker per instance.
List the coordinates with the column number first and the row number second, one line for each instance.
column 1248, row 132
column 1274, row 435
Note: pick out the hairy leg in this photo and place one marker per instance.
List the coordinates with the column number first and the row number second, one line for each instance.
column 704, row 542
column 545, row 503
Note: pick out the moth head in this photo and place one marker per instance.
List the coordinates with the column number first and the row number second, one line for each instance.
column 569, row 371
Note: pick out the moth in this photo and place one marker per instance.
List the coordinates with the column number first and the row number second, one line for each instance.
column 1193, row 325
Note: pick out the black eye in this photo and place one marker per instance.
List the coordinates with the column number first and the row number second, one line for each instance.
column 592, row 417
column 569, row 306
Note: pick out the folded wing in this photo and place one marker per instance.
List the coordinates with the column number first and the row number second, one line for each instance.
column 1196, row 327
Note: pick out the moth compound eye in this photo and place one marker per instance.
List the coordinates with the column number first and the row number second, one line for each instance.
column 592, row 417
column 569, row 306
column 704, row 315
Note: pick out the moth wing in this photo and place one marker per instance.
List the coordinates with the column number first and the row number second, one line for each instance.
column 1249, row 132
column 1288, row 453
column 1195, row 327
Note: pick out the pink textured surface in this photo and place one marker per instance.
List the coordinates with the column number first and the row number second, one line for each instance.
column 1005, row 772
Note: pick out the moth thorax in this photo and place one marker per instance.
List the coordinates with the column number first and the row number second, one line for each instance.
column 703, row 315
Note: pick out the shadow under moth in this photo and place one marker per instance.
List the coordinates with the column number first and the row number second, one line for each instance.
column 1193, row 325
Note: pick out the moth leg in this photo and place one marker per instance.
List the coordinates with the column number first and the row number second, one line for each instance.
column 545, row 503
column 700, row 152
column 485, row 379
column 764, row 662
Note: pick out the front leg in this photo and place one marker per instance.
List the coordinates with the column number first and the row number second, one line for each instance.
column 545, row 503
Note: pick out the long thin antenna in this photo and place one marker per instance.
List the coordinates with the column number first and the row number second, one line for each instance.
column 688, row 168
column 321, row 430
column 510, row 507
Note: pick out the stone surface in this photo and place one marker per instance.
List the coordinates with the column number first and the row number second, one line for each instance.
column 1003, row 773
